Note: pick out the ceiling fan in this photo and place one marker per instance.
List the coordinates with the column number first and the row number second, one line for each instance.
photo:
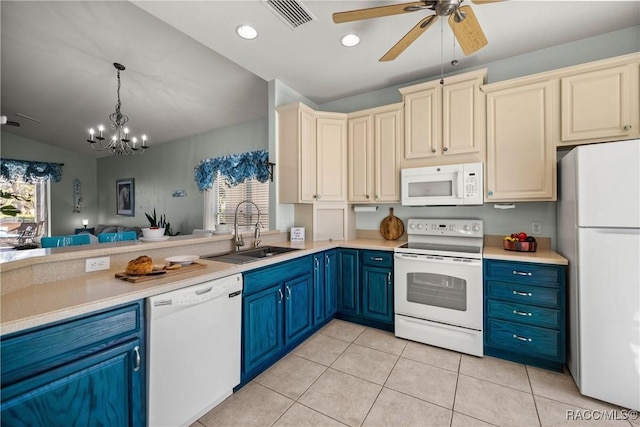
column 462, row 21
column 5, row 121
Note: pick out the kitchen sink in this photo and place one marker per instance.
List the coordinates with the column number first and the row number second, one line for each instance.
column 250, row 255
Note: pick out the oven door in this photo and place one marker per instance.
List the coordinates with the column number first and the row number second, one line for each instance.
column 440, row 289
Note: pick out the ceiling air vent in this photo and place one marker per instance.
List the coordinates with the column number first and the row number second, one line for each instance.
column 291, row 12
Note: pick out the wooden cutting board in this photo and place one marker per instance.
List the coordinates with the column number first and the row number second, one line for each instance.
column 159, row 274
column 391, row 227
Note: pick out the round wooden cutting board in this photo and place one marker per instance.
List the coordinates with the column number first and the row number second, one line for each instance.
column 391, row 227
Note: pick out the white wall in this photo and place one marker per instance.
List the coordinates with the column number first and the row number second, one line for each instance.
column 168, row 167
column 63, row 220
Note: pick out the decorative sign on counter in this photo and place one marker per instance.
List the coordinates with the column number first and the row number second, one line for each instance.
column 297, row 234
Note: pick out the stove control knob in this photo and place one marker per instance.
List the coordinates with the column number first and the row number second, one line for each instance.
column 412, row 226
column 476, row 227
column 467, row 227
column 420, row 226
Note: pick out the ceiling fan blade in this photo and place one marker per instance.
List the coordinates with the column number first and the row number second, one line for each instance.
column 409, row 38
column 12, row 123
column 485, row 1
column 468, row 32
column 376, row 12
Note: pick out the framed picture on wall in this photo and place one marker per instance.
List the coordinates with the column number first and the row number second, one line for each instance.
column 125, row 197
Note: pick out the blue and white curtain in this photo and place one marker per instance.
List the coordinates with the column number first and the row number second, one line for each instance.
column 30, row 172
column 235, row 168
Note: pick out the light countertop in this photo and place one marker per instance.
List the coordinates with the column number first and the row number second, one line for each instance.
column 40, row 304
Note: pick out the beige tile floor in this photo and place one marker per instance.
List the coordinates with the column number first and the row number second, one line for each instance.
column 347, row 374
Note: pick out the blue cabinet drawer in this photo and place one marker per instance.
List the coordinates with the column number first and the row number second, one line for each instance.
column 527, row 294
column 523, row 313
column 262, row 278
column 522, row 272
column 377, row 258
column 26, row 354
column 528, row 340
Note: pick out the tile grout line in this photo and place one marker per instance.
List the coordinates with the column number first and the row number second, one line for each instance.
column 533, row 396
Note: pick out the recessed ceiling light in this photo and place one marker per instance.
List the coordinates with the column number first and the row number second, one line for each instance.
column 350, row 40
column 247, row 32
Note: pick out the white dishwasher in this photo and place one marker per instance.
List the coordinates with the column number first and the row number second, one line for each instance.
column 193, row 350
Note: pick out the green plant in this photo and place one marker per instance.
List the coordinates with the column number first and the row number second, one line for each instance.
column 160, row 223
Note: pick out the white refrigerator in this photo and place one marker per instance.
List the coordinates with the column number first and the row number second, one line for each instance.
column 598, row 215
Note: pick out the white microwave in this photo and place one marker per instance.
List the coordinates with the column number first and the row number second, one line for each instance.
column 450, row 185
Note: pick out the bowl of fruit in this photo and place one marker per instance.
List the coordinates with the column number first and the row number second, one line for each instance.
column 520, row 242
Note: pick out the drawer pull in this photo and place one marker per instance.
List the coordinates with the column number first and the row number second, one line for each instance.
column 521, row 313
column 518, row 337
column 523, row 294
column 136, row 367
column 388, row 278
column 376, row 258
column 522, row 273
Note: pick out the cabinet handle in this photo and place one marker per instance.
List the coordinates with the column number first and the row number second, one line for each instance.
column 522, row 273
column 136, row 367
column 327, row 260
column 388, row 278
column 521, row 313
column 523, row 294
column 376, row 258
column 288, row 292
column 367, row 196
column 281, row 296
column 317, row 261
column 315, row 196
column 627, row 127
column 518, row 337
column 445, row 149
column 375, row 197
column 433, row 150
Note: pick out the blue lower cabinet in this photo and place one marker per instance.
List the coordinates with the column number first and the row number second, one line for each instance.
column 277, row 313
column 263, row 320
column 377, row 293
column 331, row 283
column 85, row 371
column 365, row 289
column 348, row 287
column 298, row 302
column 524, row 312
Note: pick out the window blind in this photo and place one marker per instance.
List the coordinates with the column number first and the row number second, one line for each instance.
column 226, row 199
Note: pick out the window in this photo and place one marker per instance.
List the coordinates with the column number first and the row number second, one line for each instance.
column 32, row 202
column 221, row 201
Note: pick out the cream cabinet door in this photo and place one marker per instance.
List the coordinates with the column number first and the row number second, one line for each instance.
column 307, row 174
column 597, row 104
column 331, row 158
column 360, row 141
column 520, row 151
column 463, row 117
column 387, row 143
column 422, row 122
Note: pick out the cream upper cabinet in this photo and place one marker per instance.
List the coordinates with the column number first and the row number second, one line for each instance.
column 374, row 140
column 445, row 123
column 521, row 154
column 600, row 101
column 312, row 155
column 331, row 137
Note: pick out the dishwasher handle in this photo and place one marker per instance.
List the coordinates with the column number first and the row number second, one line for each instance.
column 221, row 288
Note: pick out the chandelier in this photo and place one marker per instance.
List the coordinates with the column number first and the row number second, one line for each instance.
column 120, row 144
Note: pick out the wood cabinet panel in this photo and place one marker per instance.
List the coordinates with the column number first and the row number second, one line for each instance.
column 331, row 159
column 520, row 150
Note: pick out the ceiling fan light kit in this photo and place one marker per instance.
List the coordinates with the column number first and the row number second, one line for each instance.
column 120, row 143
column 462, row 20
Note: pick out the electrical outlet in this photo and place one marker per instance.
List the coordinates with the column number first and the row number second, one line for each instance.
column 536, row 228
column 97, row 264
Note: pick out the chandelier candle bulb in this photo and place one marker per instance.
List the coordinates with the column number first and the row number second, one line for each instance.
column 91, row 132
column 100, row 129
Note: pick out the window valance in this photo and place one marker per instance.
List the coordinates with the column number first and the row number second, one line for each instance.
column 236, row 168
column 30, row 172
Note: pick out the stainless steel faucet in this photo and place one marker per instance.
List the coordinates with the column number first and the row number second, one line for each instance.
column 239, row 241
